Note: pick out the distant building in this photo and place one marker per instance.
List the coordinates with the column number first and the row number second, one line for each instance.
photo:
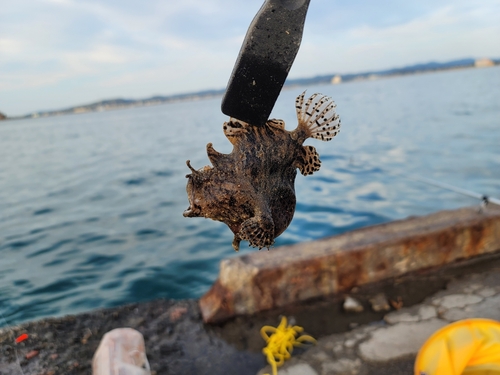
column 336, row 80
column 2, row 116
column 80, row 110
column 483, row 63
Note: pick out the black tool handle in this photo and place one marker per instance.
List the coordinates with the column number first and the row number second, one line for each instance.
column 266, row 56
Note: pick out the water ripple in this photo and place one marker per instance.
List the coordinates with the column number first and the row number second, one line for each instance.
column 164, row 173
column 91, row 205
column 149, row 233
column 15, row 245
column 128, row 215
column 49, row 249
column 63, row 285
column 43, row 211
column 99, row 260
column 135, row 181
column 91, row 237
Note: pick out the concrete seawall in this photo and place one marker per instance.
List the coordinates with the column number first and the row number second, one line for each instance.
column 290, row 274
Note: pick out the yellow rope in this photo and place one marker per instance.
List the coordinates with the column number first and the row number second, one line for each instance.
column 281, row 341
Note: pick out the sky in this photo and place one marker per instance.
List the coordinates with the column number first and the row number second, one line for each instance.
column 56, row 54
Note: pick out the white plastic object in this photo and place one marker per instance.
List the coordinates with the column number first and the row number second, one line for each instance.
column 121, row 352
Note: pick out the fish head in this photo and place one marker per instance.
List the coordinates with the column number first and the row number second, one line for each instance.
column 196, row 190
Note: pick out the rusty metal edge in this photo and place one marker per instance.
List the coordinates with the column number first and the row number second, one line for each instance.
column 290, row 274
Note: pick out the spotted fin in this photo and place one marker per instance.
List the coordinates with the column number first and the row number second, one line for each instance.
column 234, row 128
column 309, row 162
column 258, row 231
column 317, row 116
column 275, row 123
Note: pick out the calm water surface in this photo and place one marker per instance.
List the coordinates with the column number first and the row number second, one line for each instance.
column 91, row 205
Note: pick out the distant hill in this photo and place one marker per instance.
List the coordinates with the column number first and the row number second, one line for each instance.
column 104, row 105
column 108, row 104
column 412, row 69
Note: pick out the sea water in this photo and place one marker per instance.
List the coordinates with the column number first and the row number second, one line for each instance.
column 91, row 204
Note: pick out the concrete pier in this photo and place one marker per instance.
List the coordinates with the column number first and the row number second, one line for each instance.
column 290, row 274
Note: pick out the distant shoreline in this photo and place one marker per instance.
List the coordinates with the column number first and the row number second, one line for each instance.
column 112, row 104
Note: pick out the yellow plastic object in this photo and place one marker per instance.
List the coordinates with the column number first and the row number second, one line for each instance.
column 281, row 341
column 466, row 347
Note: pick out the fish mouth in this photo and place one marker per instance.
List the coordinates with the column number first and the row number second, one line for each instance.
column 192, row 211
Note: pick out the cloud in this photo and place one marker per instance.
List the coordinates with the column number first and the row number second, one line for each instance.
column 448, row 32
column 134, row 49
column 10, row 47
column 97, row 55
column 47, row 70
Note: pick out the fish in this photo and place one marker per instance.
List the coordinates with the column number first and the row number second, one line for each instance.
column 252, row 189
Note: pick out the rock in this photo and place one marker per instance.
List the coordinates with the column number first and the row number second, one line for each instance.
column 350, row 343
column 397, row 303
column 2, row 116
column 86, row 336
column 338, row 348
column 399, row 340
column 298, row 369
column 31, row 354
column 321, row 356
column 352, row 305
column 177, row 312
column 122, row 349
column 486, row 309
column 411, row 314
column 453, row 315
column 11, row 368
column 469, row 289
column 467, row 284
column 341, row 367
column 427, row 312
column 487, row 292
column 380, row 303
column 456, row 300
column 401, row 317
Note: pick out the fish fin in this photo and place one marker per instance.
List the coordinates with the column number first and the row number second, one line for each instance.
column 258, row 231
column 214, row 156
column 275, row 123
column 236, row 243
column 317, row 116
column 234, row 128
column 308, row 162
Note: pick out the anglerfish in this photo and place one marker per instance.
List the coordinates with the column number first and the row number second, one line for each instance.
column 252, row 189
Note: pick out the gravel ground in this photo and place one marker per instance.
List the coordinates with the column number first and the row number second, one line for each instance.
column 178, row 342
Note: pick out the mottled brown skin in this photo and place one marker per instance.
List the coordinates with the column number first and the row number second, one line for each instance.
column 252, row 188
